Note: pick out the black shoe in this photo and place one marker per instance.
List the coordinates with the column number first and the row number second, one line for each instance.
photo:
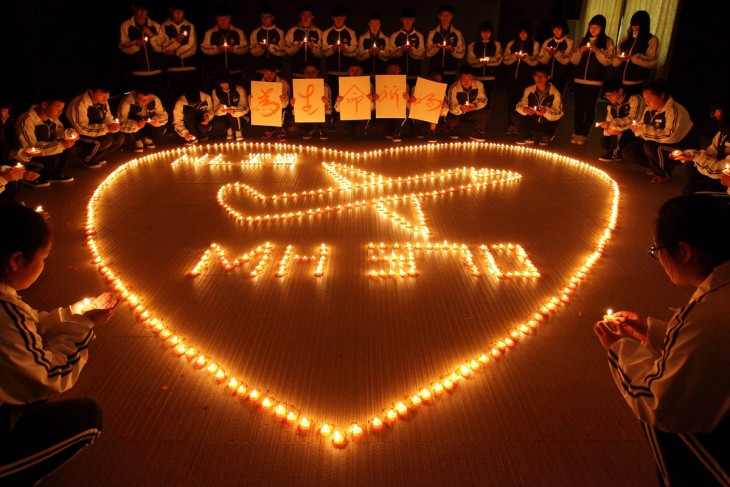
column 59, row 179
column 453, row 136
column 324, row 135
column 610, row 156
column 38, row 183
column 432, row 137
column 525, row 142
column 478, row 136
column 308, row 135
column 395, row 138
column 93, row 164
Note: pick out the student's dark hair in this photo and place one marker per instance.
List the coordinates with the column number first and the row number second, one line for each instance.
column 613, row 85
column 658, row 87
column 562, row 24
column 267, row 8
column 466, row 69
column 722, row 103
column 223, row 10
column 51, row 95
column 339, row 11
column 700, row 220
column 527, row 46
column 435, row 70
column 408, row 13
column 640, row 18
column 312, row 64
column 24, row 230
column 602, row 40
column 99, row 83
column 447, row 7
column 374, row 16
column 306, row 7
column 485, row 26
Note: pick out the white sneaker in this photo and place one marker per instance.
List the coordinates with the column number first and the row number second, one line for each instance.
column 138, row 146
column 239, row 136
column 229, row 134
column 149, row 143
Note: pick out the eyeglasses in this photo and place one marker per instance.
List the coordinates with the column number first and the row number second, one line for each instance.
column 654, row 248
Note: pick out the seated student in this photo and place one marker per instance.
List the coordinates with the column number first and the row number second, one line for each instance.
column 435, row 74
column 230, row 105
column 142, row 115
column 268, row 75
column 725, row 180
column 356, row 128
column 539, row 110
column 665, row 126
column 673, row 375
column 622, row 110
column 91, row 117
column 704, row 168
column 39, row 129
column 192, row 115
column 467, row 104
column 41, row 355
column 395, row 126
column 12, row 173
column 311, row 72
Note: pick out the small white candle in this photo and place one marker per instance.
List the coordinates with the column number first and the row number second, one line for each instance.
column 185, row 33
column 146, row 39
column 444, row 42
column 623, row 54
column 588, row 45
column 598, row 124
column 19, row 166
column 408, row 43
column 727, row 169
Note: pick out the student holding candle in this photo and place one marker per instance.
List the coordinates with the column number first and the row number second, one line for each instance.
column 555, row 54
column 467, row 103
column 622, row 111
column 269, row 75
column 224, row 45
column 192, row 115
column 91, row 117
column 373, row 47
column 141, row 39
column 179, row 51
column 664, row 127
column 673, row 375
column 339, row 46
column 142, row 116
column 408, row 47
column 445, row 44
column 304, row 41
column 12, row 173
column 704, row 168
column 538, row 111
column 230, row 105
column 41, row 130
column 591, row 57
column 636, row 53
column 520, row 57
column 485, row 56
column 267, row 41
column 41, row 355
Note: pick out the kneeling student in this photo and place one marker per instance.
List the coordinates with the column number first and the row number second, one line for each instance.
column 623, row 110
column 142, row 115
column 192, row 115
column 230, row 105
column 467, row 103
column 538, row 111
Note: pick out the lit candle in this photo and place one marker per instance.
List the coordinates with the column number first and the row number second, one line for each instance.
column 225, row 43
column 338, row 439
column 408, row 42
column 623, row 54
column 116, row 120
column 727, row 169
column 598, row 124
column 264, row 41
column 444, row 43
column 634, row 122
column 677, row 153
column 484, row 59
column 588, row 45
column 33, row 150
column 19, row 166
column 609, row 317
column 185, row 33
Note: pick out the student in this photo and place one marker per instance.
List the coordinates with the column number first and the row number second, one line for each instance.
column 555, row 54
column 419, row 125
column 192, row 115
column 230, row 105
column 41, row 130
column 304, row 41
column 224, row 45
column 142, row 39
column 539, row 110
column 356, row 128
column 636, row 53
column 622, row 111
column 179, row 51
column 445, row 44
column 142, row 115
column 339, row 46
column 592, row 57
column 665, row 126
column 485, row 56
column 41, row 355
column 373, row 48
column 269, row 76
column 12, row 173
column 467, row 103
column 704, row 168
column 91, row 117
column 312, row 72
column 520, row 57
column 673, row 375
column 407, row 46
column 268, row 46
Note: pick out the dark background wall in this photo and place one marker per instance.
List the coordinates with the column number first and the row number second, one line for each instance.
column 63, row 42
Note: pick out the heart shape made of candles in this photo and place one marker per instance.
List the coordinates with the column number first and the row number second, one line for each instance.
column 309, row 282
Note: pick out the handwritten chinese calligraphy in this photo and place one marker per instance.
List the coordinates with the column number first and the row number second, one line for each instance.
column 266, row 104
column 427, row 99
column 308, row 106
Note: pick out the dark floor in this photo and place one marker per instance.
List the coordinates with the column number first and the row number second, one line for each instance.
column 547, row 414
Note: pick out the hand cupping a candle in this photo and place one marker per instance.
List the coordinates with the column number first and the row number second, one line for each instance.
column 98, row 309
column 622, row 324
